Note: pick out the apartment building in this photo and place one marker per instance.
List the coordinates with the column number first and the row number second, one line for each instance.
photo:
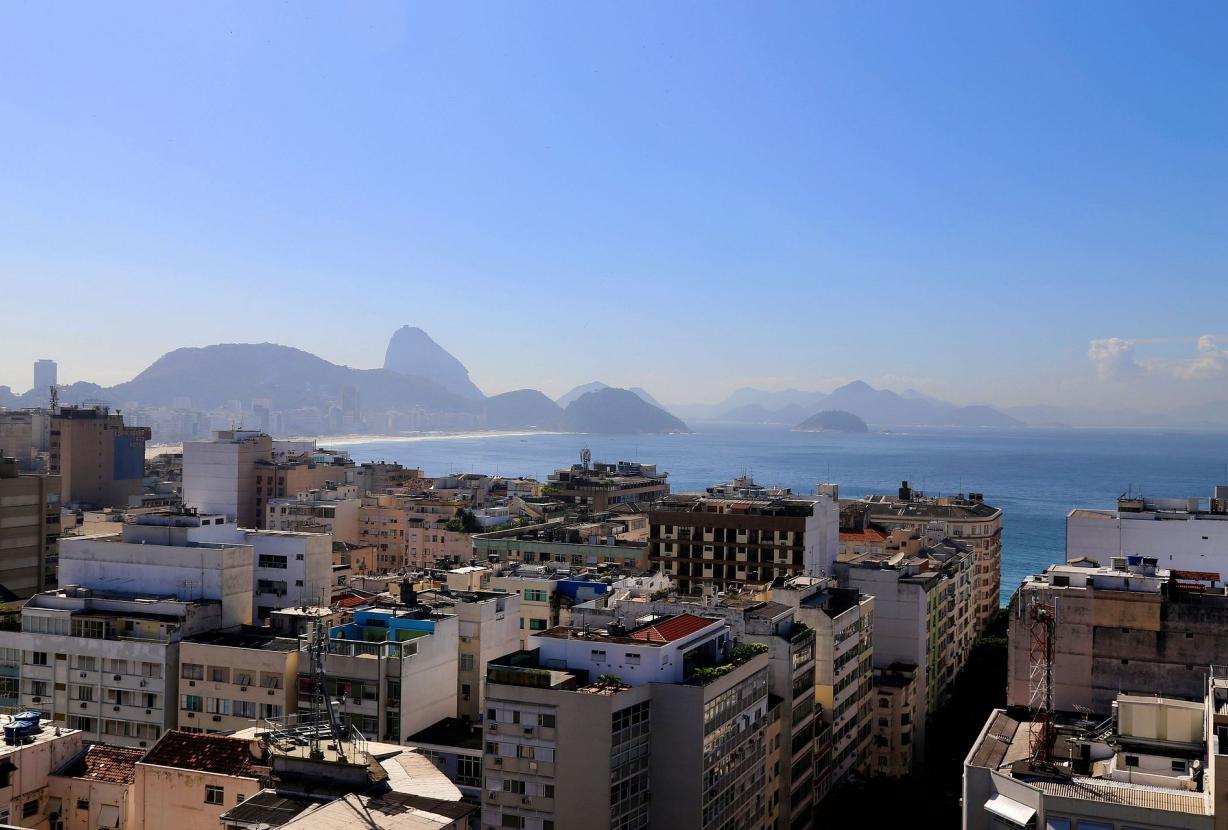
column 1127, row 627
column 604, row 539
column 734, row 544
column 186, row 781
column 106, row 662
column 1189, row 534
column 379, row 477
column 1157, row 762
column 599, row 486
column 237, row 473
column 923, row 601
column 395, row 670
column 100, row 461
column 670, row 719
column 29, row 529
column 965, row 518
column 843, row 624
column 546, row 595
column 25, row 436
column 26, row 800
column 488, row 626
column 95, row 788
column 897, row 711
column 331, row 509
column 410, row 531
column 791, row 649
column 231, row 679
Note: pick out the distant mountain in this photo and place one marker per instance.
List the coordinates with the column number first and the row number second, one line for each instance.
column 523, row 409
column 618, row 411
column 596, row 386
column 292, row 378
column 411, row 351
column 832, row 420
column 751, row 413
column 882, row 406
column 773, row 400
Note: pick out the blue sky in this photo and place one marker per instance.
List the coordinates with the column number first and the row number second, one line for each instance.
column 1003, row 202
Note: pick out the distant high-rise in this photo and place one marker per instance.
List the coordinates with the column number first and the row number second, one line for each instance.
column 100, row 460
column 46, row 375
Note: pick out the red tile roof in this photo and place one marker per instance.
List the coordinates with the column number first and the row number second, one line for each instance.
column 867, row 535
column 674, row 628
column 351, row 601
column 206, row 753
column 115, row 764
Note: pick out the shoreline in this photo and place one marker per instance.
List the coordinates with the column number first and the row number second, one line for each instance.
column 330, row 441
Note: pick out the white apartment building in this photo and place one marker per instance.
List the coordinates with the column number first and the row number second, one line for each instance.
column 1188, row 534
column 26, row 768
column 331, row 510
column 219, row 476
column 395, row 671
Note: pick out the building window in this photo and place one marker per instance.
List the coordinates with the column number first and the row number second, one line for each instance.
column 546, row 721
column 215, row 795
column 466, row 662
column 38, row 658
column 192, row 703
column 219, row 674
column 268, row 560
column 512, row 821
column 192, row 671
column 537, row 625
column 83, row 804
column 30, row 808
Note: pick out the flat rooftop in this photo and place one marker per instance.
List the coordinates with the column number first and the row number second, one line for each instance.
column 452, row 732
column 657, row 633
column 246, row 638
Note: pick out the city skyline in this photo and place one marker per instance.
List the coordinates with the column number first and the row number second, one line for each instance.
column 1003, row 205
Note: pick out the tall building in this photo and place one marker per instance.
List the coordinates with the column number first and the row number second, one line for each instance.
column 330, row 509
column 730, row 544
column 29, row 529
column 966, row 519
column 660, row 725
column 1188, row 534
column 411, row 531
column 395, row 670
column 238, row 472
column 1126, row 627
column 599, row 486
column 46, row 375
column 1157, row 762
column 100, row 461
column 843, row 623
column 25, row 435
column 923, row 601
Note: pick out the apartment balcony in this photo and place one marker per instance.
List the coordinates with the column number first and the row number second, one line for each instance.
column 495, row 763
column 518, row 801
column 30, row 671
column 121, row 712
column 10, row 669
column 131, row 682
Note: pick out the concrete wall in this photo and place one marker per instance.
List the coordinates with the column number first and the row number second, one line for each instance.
column 428, row 679
column 170, row 797
column 1183, row 542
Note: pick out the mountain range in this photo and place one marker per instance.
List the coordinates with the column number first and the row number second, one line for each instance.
column 875, row 406
column 418, row 374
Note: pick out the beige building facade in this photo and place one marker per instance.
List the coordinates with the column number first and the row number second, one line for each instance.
column 235, row 679
column 29, row 529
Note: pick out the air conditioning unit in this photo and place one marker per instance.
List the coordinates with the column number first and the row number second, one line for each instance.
column 191, row 682
column 115, row 708
column 191, row 714
column 83, row 674
column 494, row 727
column 528, row 730
column 242, row 688
column 271, row 691
column 84, row 704
column 217, row 718
column 119, row 677
column 498, row 761
column 532, row 766
column 144, row 684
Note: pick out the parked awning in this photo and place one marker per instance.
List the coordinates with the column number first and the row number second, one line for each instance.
column 108, row 816
column 1011, row 810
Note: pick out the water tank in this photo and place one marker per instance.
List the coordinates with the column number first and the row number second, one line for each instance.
column 23, row 725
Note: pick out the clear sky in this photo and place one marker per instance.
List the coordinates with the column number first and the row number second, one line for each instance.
column 1002, row 202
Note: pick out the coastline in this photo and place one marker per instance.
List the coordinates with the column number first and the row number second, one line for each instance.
column 330, row 441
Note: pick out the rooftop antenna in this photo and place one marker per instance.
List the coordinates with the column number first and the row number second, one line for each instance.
column 321, row 704
column 1042, row 621
column 55, row 401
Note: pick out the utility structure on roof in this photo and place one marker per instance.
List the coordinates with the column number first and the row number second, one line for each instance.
column 1042, row 619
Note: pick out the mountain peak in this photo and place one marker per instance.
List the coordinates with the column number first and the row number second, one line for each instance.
column 411, row 351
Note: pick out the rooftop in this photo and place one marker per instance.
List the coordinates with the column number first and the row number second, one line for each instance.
column 204, row 753
column 671, row 629
column 391, row 811
column 253, row 638
column 113, row 764
column 452, row 732
column 267, row 807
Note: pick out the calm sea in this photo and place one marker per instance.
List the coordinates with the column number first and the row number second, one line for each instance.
column 1035, row 475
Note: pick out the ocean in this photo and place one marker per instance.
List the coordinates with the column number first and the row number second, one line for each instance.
column 1035, row 475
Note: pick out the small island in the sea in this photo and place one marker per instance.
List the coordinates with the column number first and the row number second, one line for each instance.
column 832, row 420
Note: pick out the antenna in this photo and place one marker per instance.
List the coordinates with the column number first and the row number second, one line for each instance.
column 1042, row 620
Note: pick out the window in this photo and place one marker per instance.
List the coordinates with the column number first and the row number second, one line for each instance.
column 6, row 774
column 240, row 798
column 87, row 663
column 466, row 662
column 30, row 808
column 1178, row 765
column 83, row 804
column 38, row 658
column 192, row 703
column 119, row 667
column 151, row 670
column 217, row 706
column 219, row 674
column 192, row 671
column 512, row 821
column 268, row 560
column 598, row 655
column 215, row 795
column 537, row 625
column 511, row 785
column 268, row 680
column 243, row 678
column 244, row 709
column 546, row 721
column 270, row 711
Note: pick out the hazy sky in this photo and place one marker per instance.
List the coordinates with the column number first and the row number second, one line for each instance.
column 1004, row 202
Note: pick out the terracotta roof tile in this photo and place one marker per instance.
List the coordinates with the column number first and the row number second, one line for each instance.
column 115, row 764
column 674, row 628
column 206, row 753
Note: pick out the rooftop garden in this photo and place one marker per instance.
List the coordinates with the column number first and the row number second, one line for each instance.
column 742, row 653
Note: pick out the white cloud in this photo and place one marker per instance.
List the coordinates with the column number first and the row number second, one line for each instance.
column 1114, row 359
